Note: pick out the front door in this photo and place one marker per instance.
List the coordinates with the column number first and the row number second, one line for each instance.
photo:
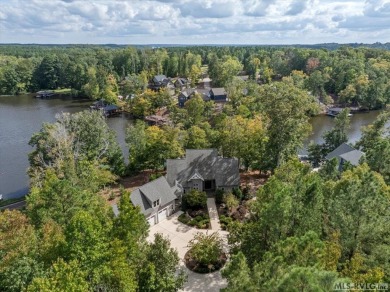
column 209, row 185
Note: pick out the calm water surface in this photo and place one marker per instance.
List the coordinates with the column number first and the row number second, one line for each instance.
column 321, row 124
column 21, row 116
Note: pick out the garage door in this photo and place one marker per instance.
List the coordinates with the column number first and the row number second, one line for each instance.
column 162, row 215
column 151, row 220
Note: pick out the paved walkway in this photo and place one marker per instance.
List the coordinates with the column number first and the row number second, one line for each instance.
column 213, row 213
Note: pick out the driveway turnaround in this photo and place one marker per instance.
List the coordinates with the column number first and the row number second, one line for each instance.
column 180, row 234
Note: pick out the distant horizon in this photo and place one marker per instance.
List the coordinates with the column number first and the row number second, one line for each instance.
column 198, row 44
column 194, row 22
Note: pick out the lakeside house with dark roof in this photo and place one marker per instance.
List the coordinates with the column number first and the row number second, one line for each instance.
column 107, row 109
column 345, row 154
column 187, row 94
column 214, row 94
column 201, row 169
column 218, row 94
column 181, row 83
column 161, row 81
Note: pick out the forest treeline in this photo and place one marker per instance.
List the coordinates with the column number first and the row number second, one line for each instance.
column 353, row 76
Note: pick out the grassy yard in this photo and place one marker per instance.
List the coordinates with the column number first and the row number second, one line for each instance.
column 62, row 91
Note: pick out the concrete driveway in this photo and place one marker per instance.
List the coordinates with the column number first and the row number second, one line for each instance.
column 179, row 235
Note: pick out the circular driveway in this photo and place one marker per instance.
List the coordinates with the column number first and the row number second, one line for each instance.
column 180, row 234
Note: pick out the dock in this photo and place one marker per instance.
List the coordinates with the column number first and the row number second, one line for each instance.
column 335, row 111
column 45, row 94
column 108, row 110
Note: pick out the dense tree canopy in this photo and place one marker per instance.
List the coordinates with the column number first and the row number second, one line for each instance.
column 355, row 76
column 306, row 229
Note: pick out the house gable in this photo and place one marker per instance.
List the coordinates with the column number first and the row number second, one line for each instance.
column 206, row 164
column 218, row 94
column 153, row 195
column 345, row 153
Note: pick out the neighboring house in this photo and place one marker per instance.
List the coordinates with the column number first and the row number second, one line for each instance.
column 203, row 170
column 107, row 109
column 156, row 200
column 189, row 93
column 214, row 94
column 181, row 83
column 184, row 96
column 345, row 153
column 161, row 81
column 218, row 94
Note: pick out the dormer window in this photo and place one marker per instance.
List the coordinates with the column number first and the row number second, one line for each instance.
column 156, row 203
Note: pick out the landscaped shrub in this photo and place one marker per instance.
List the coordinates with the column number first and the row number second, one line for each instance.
column 231, row 202
column 246, row 195
column 225, row 221
column 203, row 224
column 201, row 221
column 184, row 218
column 205, row 253
column 219, row 193
column 238, row 193
column 199, row 218
column 194, row 213
column 193, row 222
column 195, row 200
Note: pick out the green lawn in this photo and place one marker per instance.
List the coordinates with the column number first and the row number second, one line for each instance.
column 62, row 91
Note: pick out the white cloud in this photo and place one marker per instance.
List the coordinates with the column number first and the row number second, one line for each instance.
column 194, row 21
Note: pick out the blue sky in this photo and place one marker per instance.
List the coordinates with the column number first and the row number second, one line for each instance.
column 194, row 21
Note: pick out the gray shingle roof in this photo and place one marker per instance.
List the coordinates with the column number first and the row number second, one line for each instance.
column 159, row 78
column 347, row 153
column 186, row 93
column 343, row 148
column 207, row 164
column 218, row 91
column 352, row 157
column 204, row 93
column 181, row 81
column 152, row 191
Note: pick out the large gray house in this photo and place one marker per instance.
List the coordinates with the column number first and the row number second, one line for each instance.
column 202, row 169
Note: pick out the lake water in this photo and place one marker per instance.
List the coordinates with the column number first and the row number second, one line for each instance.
column 321, row 124
column 21, row 116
